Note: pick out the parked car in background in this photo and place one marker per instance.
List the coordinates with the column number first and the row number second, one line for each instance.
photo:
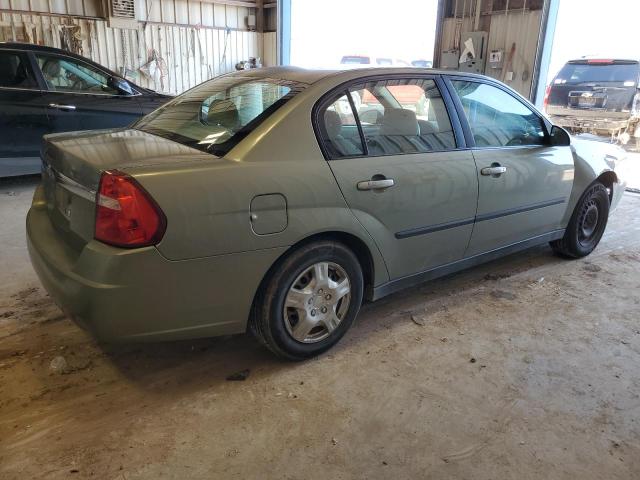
column 367, row 61
column 422, row 63
column 47, row 90
column 259, row 201
column 599, row 96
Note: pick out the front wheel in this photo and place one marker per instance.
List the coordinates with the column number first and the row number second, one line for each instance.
column 309, row 301
column 587, row 224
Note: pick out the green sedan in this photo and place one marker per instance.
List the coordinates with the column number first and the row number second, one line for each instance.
column 278, row 200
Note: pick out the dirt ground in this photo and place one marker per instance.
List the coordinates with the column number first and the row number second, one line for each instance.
column 524, row 368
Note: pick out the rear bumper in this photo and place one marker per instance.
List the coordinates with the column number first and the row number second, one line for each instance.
column 589, row 120
column 139, row 295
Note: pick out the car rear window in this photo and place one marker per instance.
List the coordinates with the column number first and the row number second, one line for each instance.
column 573, row 73
column 216, row 115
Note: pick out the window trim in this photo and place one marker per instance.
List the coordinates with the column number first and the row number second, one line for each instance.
column 466, row 127
column 89, row 64
column 326, row 99
column 36, row 76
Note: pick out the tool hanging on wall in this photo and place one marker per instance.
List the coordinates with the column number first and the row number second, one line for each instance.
column 507, row 66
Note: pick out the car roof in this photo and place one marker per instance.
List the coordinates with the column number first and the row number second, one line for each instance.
column 311, row 76
column 31, row 46
column 603, row 57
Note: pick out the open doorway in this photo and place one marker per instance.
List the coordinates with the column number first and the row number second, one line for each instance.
column 348, row 34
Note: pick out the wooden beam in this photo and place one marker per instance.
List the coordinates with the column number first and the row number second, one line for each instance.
column 260, row 16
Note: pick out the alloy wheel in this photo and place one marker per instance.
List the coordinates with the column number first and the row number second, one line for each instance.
column 317, row 302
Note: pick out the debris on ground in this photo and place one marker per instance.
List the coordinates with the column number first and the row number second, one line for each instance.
column 501, row 294
column 334, row 441
column 239, row 376
column 472, row 360
column 59, row 365
column 496, row 276
column 590, row 267
column 419, row 320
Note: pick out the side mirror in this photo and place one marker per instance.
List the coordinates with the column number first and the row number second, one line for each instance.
column 559, row 137
column 120, row 85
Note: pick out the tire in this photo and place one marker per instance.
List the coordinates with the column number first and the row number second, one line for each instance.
column 306, row 291
column 587, row 224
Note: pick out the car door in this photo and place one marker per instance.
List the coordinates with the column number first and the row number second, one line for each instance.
column 79, row 96
column 400, row 169
column 524, row 181
column 23, row 119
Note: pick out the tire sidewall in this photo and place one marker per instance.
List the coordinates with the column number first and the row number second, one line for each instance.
column 598, row 192
column 284, row 277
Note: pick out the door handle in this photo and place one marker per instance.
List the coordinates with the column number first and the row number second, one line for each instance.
column 493, row 170
column 381, row 184
column 62, row 107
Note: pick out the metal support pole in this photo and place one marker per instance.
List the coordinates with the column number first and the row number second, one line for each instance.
column 543, row 52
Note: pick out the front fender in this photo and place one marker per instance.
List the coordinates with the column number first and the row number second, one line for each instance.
column 593, row 159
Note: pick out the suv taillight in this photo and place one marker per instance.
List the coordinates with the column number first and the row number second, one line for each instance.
column 545, row 100
column 126, row 215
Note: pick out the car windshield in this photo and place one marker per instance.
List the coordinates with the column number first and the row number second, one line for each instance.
column 215, row 116
column 599, row 72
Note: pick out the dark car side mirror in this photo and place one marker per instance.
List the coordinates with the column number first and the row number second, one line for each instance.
column 559, row 137
column 120, row 85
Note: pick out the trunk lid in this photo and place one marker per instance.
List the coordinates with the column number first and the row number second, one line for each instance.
column 74, row 162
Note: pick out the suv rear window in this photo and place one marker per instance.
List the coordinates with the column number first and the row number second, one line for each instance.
column 575, row 73
column 215, row 116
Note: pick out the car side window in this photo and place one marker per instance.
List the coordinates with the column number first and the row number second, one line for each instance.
column 498, row 119
column 15, row 71
column 339, row 130
column 403, row 116
column 64, row 74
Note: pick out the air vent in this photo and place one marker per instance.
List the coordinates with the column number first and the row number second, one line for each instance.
column 123, row 8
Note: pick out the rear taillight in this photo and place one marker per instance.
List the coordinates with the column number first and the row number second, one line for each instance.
column 126, row 215
column 545, row 100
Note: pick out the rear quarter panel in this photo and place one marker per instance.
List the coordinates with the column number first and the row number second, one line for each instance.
column 208, row 206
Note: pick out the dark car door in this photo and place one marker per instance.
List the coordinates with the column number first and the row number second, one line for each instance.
column 524, row 181
column 23, row 118
column 79, row 96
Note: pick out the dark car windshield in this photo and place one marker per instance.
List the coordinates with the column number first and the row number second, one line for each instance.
column 626, row 73
column 215, row 116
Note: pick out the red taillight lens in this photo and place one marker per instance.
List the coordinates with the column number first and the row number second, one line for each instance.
column 545, row 100
column 126, row 215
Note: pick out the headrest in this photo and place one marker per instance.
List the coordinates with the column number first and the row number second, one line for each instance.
column 51, row 68
column 399, row 121
column 332, row 124
column 223, row 113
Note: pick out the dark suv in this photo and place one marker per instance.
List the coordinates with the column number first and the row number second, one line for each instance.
column 48, row 90
column 598, row 96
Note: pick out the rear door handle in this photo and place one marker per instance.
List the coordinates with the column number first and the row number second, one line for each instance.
column 62, row 107
column 376, row 184
column 493, row 170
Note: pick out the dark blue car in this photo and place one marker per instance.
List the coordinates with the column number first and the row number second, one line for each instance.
column 47, row 90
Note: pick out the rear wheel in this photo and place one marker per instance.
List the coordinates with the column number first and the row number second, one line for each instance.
column 309, row 301
column 587, row 224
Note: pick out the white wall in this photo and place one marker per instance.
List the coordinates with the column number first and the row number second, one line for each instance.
column 193, row 41
column 517, row 27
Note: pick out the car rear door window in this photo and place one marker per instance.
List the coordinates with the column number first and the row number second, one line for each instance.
column 498, row 119
column 15, row 71
column 403, row 116
column 64, row 74
column 339, row 129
